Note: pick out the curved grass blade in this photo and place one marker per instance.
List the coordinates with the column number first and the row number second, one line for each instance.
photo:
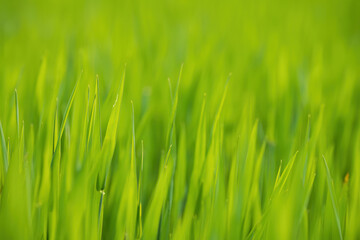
column 67, row 111
column 127, row 214
column 98, row 103
column 217, row 117
column 332, row 196
column 107, row 151
column 173, row 110
column 3, row 149
column 17, row 114
column 159, row 195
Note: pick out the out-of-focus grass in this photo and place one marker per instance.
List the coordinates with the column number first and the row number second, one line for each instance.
column 162, row 144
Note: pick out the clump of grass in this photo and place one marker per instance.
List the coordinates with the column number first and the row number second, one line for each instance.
column 178, row 148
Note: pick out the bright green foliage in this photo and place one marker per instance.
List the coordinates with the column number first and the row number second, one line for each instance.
column 234, row 120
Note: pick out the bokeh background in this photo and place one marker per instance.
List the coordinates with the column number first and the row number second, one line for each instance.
column 286, row 58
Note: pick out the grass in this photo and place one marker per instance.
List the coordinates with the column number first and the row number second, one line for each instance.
column 179, row 120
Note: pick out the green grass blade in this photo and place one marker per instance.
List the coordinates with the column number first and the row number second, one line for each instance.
column 332, row 196
column 3, row 149
column 67, row 111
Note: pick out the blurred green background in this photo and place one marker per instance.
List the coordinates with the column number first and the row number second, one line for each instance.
column 287, row 58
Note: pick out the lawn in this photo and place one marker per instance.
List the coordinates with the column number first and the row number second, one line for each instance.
column 179, row 119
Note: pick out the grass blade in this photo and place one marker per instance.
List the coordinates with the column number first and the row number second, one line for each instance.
column 332, row 196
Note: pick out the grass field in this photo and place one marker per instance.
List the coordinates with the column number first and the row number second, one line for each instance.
column 179, row 119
